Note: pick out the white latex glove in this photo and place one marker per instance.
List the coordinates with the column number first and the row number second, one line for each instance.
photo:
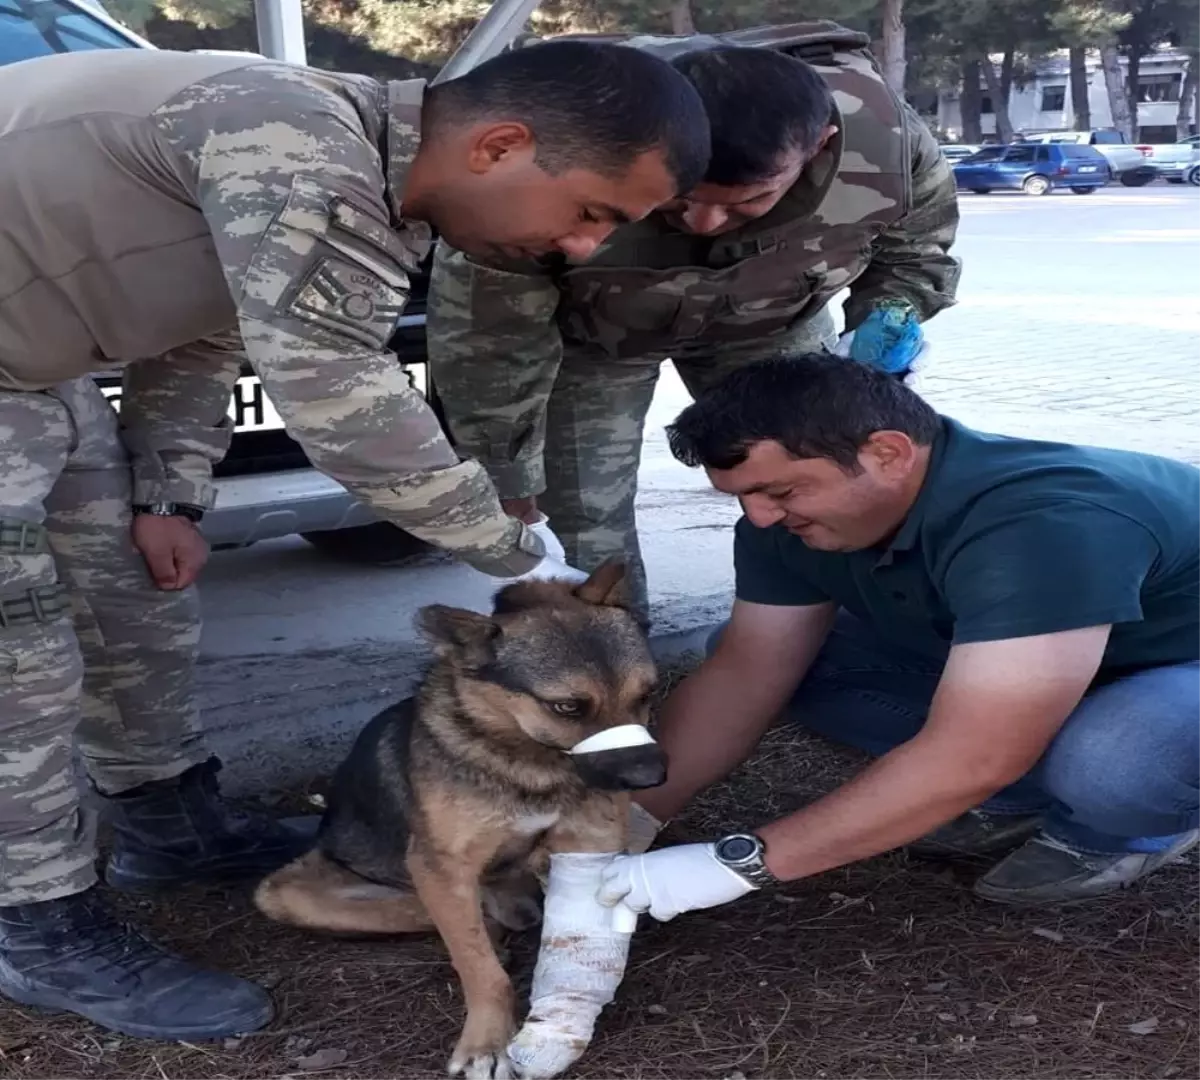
column 644, row 828
column 554, row 565
column 554, row 547
column 580, row 965
column 670, row 881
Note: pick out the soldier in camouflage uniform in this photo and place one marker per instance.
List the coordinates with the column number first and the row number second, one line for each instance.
column 169, row 215
column 820, row 179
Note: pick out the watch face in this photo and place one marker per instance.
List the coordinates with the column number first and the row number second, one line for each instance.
column 737, row 848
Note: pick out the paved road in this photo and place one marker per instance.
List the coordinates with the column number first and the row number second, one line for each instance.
column 1078, row 319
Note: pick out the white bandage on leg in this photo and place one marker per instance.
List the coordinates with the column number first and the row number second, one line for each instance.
column 580, row 965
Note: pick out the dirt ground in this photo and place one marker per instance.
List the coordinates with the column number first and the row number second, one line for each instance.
column 886, row 969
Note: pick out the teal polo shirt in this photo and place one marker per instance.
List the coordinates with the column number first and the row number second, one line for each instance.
column 1010, row 538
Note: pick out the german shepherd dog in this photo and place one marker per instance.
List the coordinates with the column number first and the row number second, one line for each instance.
column 445, row 812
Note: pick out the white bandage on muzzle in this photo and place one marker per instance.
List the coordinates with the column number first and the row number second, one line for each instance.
column 622, row 758
column 580, row 964
column 622, row 737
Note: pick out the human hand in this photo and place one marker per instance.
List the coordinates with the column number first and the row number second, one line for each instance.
column 554, row 565
column 890, row 339
column 670, row 881
column 174, row 549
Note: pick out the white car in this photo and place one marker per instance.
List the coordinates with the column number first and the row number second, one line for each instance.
column 1176, row 162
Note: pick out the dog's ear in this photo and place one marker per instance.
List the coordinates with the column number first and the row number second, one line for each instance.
column 522, row 595
column 606, row 586
column 457, row 630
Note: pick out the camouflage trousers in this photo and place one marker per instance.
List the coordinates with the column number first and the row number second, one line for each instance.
column 595, row 421
column 91, row 652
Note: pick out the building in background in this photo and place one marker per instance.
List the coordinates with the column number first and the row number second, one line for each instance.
column 1044, row 101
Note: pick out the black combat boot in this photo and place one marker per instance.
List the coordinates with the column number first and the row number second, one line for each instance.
column 72, row 955
column 169, row 832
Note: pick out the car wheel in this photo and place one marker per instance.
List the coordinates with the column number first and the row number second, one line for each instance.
column 377, row 544
column 981, row 191
column 1036, row 185
column 1193, row 176
column 1136, row 179
column 1082, row 190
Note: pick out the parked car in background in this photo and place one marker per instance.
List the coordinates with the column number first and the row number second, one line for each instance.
column 1126, row 162
column 1034, row 169
column 1174, row 161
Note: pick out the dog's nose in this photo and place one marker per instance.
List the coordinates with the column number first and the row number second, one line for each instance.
column 629, row 768
column 645, row 768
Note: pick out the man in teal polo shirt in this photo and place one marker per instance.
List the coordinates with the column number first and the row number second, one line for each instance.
column 1011, row 627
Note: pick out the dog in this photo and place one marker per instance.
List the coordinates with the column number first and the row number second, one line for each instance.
column 445, row 812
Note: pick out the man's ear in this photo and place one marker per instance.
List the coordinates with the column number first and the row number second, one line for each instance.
column 495, row 143
column 607, row 585
column 455, row 631
column 893, row 453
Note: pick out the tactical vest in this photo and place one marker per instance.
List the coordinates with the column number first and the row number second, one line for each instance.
column 652, row 289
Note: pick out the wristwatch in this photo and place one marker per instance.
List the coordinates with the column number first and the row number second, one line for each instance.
column 743, row 854
column 170, row 509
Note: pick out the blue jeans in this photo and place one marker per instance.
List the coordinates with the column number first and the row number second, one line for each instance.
column 1122, row 774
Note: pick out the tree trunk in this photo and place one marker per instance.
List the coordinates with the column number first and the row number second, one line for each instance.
column 1004, row 130
column 893, row 60
column 682, row 20
column 970, row 104
column 1080, row 105
column 1118, row 99
column 1187, row 98
column 1006, row 75
column 1133, row 71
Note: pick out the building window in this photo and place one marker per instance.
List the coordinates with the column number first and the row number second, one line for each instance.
column 985, row 105
column 1054, row 98
column 1156, row 88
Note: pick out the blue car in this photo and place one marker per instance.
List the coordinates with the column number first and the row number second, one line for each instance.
column 1034, row 168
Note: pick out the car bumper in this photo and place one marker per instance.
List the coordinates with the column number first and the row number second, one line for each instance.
column 264, row 507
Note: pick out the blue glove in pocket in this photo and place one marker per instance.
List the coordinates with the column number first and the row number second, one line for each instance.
column 888, row 339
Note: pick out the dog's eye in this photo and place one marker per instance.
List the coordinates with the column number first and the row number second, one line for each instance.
column 574, row 707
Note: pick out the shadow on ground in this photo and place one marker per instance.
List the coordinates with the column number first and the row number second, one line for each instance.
column 890, row 968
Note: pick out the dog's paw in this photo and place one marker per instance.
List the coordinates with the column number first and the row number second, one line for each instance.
column 487, row 1066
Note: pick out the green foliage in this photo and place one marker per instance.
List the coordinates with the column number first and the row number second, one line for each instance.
column 941, row 33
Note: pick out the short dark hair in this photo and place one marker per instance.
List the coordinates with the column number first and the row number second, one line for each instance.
column 590, row 105
column 815, row 406
column 762, row 105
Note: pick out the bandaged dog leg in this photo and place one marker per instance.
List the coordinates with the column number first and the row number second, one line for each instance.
column 580, row 965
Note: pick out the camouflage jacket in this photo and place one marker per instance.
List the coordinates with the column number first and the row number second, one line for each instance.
column 875, row 212
column 167, row 213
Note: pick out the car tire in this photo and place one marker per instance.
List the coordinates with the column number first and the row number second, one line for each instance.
column 377, row 544
column 1083, row 191
column 1136, row 179
column 1193, row 176
column 1037, row 185
column 981, row 191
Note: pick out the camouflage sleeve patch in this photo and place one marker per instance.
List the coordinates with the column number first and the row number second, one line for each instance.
column 294, row 192
column 911, row 261
column 494, row 352
column 175, row 419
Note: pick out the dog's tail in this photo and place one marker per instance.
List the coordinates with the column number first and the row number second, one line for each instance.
column 316, row 893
